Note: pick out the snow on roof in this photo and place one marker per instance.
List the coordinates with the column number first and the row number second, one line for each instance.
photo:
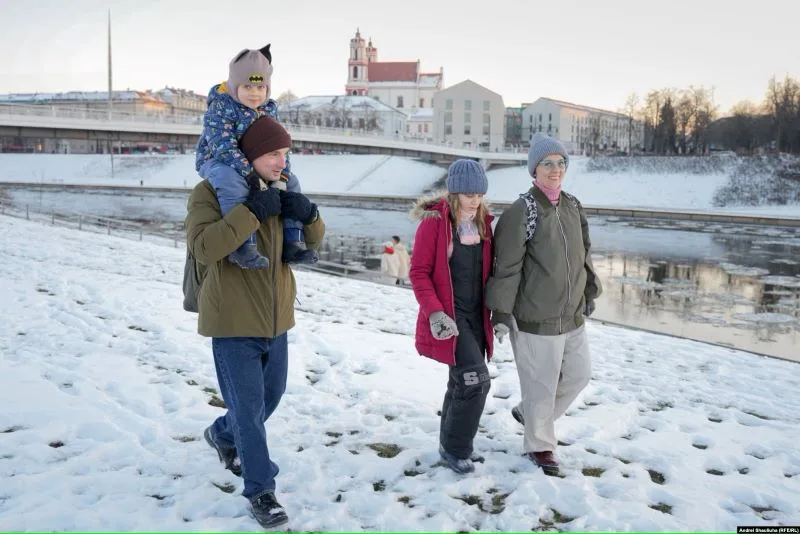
column 430, row 79
column 422, row 114
column 392, row 71
column 338, row 101
column 77, row 95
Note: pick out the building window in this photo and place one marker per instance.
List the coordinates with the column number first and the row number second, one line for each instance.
column 422, row 102
column 550, row 116
column 408, row 128
column 487, row 130
column 425, row 127
column 487, row 119
column 468, row 105
column 467, row 129
column 467, row 117
column 448, row 129
column 448, row 104
column 399, row 101
column 448, row 116
column 486, row 105
column 419, row 128
column 355, row 72
column 540, row 117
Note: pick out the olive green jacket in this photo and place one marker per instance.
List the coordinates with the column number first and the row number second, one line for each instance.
column 236, row 302
column 543, row 280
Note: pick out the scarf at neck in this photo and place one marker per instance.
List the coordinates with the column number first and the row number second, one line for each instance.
column 552, row 193
column 467, row 229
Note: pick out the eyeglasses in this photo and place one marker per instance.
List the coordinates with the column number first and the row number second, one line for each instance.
column 549, row 164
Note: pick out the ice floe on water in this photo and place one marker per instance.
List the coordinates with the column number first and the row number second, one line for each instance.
column 782, row 281
column 741, row 270
column 765, row 318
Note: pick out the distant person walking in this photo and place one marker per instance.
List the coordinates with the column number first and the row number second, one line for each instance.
column 395, row 260
column 543, row 285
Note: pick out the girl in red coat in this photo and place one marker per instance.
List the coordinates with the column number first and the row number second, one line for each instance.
column 450, row 264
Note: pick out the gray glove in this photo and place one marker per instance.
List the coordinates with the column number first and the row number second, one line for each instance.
column 588, row 309
column 442, row 326
column 502, row 325
column 500, row 332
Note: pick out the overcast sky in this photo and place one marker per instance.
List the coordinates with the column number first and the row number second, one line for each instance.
column 588, row 52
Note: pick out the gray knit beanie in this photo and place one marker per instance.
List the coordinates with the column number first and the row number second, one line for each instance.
column 466, row 176
column 250, row 67
column 542, row 146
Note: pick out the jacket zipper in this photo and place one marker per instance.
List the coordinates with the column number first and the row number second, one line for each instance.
column 569, row 272
column 274, row 296
column 449, row 234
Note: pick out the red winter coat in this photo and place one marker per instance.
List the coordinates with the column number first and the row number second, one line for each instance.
column 431, row 280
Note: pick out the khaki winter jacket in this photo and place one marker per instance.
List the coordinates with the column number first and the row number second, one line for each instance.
column 544, row 281
column 236, row 302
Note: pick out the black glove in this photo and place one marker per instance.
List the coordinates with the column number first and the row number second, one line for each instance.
column 297, row 206
column 588, row 309
column 264, row 203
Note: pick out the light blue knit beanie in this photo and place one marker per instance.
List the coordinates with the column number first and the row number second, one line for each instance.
column 543, row 145
column 467, row 176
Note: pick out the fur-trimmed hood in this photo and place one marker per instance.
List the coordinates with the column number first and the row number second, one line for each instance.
column 432, row 205
column 435, row 205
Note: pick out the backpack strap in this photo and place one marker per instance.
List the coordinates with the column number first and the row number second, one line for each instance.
column 532, row 214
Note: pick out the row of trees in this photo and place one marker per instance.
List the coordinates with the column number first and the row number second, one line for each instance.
column 673, row 121
column 685, row 121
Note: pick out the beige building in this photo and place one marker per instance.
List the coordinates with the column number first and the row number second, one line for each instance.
column 468, row 115
column 399, row 84
column 582, row 129
column 167, row 101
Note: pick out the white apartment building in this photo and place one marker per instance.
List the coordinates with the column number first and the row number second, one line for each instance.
column 582, row 129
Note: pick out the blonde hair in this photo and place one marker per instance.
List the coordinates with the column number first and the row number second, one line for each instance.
column 480, row 217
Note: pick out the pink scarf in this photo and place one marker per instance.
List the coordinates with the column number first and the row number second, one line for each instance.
column 467, row 229
column 552, row 193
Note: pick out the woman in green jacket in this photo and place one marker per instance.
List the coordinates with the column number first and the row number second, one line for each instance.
column 542, row 286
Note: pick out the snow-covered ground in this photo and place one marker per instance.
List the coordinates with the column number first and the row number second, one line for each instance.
column 354, row 174
column 106, row 388
column 393, row 175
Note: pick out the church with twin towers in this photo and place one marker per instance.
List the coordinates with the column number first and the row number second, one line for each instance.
column 400, row 84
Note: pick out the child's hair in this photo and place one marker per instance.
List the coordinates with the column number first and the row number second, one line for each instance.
column 396, row 238
column 480, row 217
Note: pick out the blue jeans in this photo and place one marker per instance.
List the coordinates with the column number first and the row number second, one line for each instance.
column 251, row 372
column 232, row 189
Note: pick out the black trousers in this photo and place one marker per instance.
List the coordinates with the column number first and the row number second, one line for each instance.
column 467, row 388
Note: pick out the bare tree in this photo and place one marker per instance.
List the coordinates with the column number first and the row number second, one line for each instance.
column 684, row 119
column 705, row 112
column 630, row 110
column 651, row 111
column 783, row 106
column 286, row 97
column 595, row 131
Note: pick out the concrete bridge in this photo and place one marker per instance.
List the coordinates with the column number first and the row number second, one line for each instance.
column 42, row 121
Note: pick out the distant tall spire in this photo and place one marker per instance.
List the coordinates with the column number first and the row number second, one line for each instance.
column 109, row 62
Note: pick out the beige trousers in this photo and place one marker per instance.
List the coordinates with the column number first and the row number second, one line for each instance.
column 552, row 370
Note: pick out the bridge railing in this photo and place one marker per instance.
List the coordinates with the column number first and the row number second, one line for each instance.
column 65, row 112
column 144, row 118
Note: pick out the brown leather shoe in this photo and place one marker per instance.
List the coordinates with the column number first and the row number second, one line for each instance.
column 546, row 460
